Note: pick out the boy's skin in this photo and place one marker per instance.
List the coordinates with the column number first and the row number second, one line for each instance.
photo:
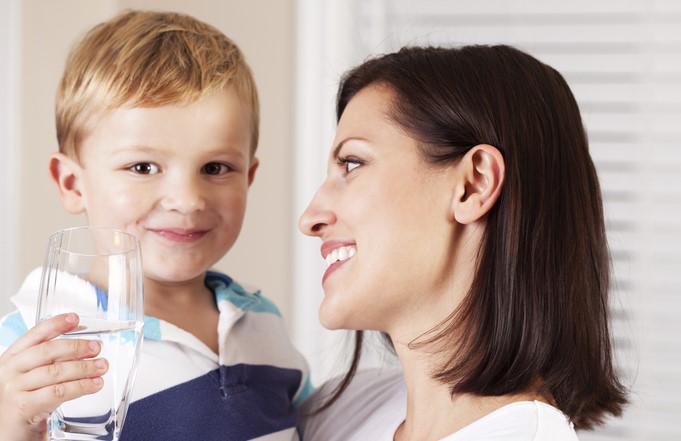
column 175, row 176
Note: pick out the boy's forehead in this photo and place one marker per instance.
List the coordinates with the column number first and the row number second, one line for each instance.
column 216, row 121
column 221, row 115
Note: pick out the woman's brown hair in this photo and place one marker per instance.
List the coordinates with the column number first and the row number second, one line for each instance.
column 537, row 312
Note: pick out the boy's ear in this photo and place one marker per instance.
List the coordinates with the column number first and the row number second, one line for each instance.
column 480, row 178
column 251, row 171
column 65, row 173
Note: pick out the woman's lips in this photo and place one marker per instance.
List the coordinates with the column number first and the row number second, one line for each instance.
column 336, row 255
column 333, row 267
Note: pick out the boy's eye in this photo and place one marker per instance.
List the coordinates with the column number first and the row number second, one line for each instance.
column 215, row 168
column 145, row 168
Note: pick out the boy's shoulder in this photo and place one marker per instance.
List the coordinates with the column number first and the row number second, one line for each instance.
column 243, row 296
column 12, row 327
column 17, row 323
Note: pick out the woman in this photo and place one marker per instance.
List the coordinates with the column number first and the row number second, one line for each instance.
column 462, row 217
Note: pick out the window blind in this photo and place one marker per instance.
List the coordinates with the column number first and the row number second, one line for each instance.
column 622, row 60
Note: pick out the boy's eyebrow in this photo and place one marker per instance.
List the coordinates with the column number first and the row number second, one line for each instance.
column 125, row 148
column 142, row 148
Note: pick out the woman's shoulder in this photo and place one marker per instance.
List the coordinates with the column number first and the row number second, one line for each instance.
column 372, row 407
column 521, row 421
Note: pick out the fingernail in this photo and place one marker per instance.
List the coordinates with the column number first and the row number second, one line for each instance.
column 93, row 345
column 97, row 380
column 101, row 364
column 71, row 318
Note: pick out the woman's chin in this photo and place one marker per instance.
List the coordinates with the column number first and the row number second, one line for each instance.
column 332, row 317
column 330, row 323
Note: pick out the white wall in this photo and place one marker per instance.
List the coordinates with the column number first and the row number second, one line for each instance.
column 9, row 141
column 262, row 28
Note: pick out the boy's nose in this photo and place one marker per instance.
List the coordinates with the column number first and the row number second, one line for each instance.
column 184, row 196
column 317, row 216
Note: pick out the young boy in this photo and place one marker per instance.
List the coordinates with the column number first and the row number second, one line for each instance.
column 157, row 124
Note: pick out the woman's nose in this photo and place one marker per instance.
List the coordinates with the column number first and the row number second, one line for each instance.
column 317, row 216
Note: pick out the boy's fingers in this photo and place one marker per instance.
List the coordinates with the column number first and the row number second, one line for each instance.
column 63, row 372
column 44, row 331
column 54, row 395
column 51, row 352
column 36, row 405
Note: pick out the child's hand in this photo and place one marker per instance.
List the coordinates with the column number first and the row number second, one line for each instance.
column 38, row 373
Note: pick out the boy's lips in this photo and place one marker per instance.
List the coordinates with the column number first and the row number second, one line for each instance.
column 180, row 234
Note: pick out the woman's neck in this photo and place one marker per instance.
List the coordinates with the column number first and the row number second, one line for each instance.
column 432, row 411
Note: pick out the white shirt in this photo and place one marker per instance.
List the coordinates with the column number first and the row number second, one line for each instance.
column 374, row 406
column 371, row 408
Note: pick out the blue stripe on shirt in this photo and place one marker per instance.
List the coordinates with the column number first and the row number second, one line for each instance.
column 304, row 392
column 227, row 289
column 152, row 328
column 12, row 328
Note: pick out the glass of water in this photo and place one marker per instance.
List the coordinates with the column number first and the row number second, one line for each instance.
column 96, row 273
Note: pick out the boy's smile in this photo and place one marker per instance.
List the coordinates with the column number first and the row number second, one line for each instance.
column 174, row 176
column 179, row 235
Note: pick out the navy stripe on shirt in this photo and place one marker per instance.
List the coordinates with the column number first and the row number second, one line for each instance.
column 232, row 403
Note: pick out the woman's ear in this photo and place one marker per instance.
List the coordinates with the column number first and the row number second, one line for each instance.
column 480, row 179
column 65, row 173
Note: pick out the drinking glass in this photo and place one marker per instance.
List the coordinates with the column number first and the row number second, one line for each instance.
column 96, row 273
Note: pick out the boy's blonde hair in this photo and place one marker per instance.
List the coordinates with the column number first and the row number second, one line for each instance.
column 148, row 59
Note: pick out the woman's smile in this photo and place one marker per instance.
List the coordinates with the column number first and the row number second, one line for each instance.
column 335, row 256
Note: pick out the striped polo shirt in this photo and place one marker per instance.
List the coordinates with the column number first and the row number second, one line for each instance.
column 184, row 391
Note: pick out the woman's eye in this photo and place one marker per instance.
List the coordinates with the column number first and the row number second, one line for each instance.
column 215, row 168
column 349, row 164
column 145, row 168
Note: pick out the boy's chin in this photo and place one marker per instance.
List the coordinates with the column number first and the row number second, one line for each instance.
column 176, row 277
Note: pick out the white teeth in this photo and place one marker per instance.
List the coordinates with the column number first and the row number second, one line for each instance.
column 340, row 254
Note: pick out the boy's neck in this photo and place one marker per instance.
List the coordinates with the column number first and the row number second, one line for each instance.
column 190, row 306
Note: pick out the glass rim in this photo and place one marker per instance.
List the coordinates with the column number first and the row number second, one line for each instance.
column 53, row 240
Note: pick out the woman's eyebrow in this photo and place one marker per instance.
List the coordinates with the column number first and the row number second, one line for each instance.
column 340, row 145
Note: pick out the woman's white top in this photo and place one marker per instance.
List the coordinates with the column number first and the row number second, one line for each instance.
column 374, row 406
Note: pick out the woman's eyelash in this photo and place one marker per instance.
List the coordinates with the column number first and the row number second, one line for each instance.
column 349, row 163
